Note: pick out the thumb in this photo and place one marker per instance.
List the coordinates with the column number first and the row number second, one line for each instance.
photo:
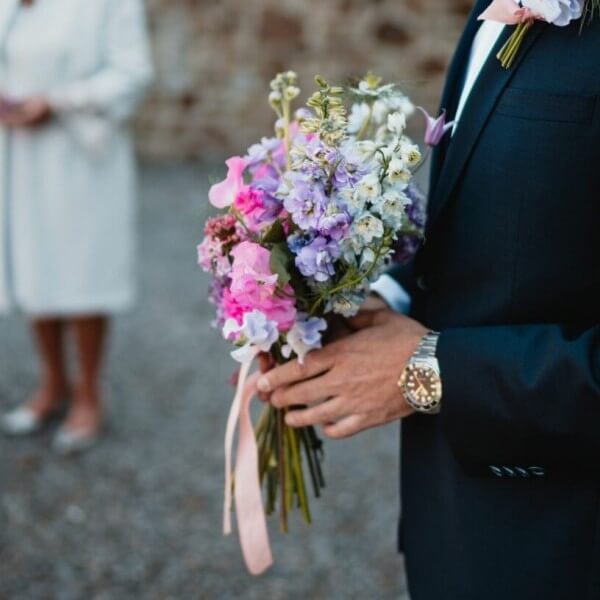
column 369, row 318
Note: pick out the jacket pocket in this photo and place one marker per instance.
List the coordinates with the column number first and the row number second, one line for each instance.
column 540, row 105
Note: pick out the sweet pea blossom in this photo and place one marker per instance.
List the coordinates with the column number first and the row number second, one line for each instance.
column 256, row 332
column 223, row 194
column 250, row 202
column 304, row 336
column 254, row 287
column 435, row 129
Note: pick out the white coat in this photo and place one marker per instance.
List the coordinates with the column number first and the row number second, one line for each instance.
column 68, row 187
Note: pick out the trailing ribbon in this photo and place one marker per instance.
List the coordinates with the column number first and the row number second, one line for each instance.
column 251, row 519
column 509, row 12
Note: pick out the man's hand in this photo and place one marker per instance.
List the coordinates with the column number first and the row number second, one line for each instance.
column 30, row 113
column 351, row 384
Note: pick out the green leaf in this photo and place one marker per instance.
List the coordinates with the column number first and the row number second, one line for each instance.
column 274, row 234
column 281, row 261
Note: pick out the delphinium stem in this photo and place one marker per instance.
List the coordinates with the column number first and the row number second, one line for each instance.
column 311, row 461
column 283, row 522
column 299, row 475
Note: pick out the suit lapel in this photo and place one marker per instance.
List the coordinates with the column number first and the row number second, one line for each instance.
column 483, row 98
column 453, row 86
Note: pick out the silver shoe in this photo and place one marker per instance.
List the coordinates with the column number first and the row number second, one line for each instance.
column 21, row 421
column 67, row 442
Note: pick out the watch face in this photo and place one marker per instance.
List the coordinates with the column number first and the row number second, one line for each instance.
column 423, row 385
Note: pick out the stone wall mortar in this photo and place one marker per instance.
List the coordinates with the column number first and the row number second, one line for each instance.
column 215, row 59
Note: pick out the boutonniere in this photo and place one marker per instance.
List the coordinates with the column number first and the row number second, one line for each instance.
column 524, row 13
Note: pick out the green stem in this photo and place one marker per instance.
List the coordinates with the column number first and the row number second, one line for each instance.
column 299, row 476
column 286, row 133
column 283, row 521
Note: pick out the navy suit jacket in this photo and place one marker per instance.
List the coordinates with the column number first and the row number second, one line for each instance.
column 501, row 490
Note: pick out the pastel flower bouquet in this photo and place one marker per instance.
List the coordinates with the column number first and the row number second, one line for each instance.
column 310, row 217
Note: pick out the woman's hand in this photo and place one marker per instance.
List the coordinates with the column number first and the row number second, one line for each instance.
column 32, row 112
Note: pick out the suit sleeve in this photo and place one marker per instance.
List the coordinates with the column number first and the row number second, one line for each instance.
column 522, row 394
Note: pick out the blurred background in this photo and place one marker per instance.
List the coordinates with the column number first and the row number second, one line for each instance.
column 139, row 516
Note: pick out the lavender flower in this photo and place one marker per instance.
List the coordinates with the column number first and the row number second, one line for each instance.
column 334, row 222
column 261, row 152
column 305, row 201
column 317, row 259
column 256, row 333
column 304, row 336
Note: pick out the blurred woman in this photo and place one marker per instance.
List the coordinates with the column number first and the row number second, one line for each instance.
column 71, row 73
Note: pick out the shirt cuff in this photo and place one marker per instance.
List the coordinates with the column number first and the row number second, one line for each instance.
column 393, row 293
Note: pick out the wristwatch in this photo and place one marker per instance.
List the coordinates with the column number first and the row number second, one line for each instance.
column 420, row 381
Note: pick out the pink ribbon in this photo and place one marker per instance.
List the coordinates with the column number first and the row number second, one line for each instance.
column 508, row 12
column 251, row 519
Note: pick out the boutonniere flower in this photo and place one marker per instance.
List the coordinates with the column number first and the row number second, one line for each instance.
column 524, row 13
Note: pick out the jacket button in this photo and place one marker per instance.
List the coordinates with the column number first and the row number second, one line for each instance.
column 497, row 471
column 423, row 283
column 537, row 471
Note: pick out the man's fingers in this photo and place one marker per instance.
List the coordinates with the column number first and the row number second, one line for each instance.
column 304, row 392
column 327, row 412
column 370, row 318
column 315, row 363
column 344, row 427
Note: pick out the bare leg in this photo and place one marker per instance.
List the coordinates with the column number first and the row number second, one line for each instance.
column 49, row 339
column 90, row 337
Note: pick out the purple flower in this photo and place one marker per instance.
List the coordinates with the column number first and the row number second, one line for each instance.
column 317, row 259
column 297, row 241
column 260, row 152
column 435, row 129
column 306, row 202
column 304, row 336
column 334, row 222
column 416, row 210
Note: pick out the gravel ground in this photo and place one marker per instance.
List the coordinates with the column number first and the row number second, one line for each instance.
column 139, row 516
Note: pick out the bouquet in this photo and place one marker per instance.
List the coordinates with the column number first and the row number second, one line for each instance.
column 309, row 218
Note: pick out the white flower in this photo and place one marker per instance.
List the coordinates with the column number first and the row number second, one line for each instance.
column 397, row 123
column 380, row 111
column 256, row 333
column 410, row 153
column 359, row 114
column 549, row 10
column 367, row 258
column 274, row 97
column 369, row 186
column 406, row 106
column 397, row 171
column 347, row 305
column 367, row 228
column 391, row 207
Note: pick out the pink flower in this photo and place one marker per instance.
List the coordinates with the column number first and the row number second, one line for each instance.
column 254, row 287
column 435, row 129
column 223, row 194
column 250, row 203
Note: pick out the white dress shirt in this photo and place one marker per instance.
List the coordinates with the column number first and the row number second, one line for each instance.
column 386, row 286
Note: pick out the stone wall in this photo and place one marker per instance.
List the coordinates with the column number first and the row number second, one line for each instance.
column 215, row 59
